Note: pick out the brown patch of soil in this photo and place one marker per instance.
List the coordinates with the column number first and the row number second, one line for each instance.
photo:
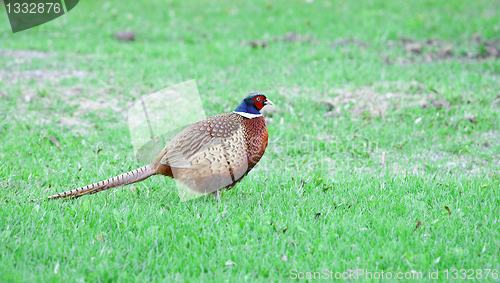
column 124, row 35
column 290, row 37
column 86, row 105
column 24, row 55
column 13, row 77
column 348, row 41
column 368, row 101
column 431, row 50
column 372, row 101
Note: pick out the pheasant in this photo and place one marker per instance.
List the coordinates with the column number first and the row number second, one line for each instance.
column 207, row 156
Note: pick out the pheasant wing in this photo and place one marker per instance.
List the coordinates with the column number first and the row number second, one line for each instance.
column 197, row 138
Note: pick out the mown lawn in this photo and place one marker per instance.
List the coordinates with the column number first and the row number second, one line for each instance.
column 384, row 149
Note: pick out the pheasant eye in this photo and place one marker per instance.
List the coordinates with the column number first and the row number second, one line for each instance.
column 257, row 99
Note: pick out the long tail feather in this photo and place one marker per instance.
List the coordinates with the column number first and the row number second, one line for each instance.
column 131, row 177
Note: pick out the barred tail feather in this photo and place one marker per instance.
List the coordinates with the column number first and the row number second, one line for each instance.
column 131, row 177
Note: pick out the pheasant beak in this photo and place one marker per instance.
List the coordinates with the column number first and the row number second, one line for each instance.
column 268, row 102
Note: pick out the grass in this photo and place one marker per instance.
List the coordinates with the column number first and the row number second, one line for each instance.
column 337, row 192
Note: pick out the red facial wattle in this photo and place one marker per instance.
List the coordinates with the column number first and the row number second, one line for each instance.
column 259, row 102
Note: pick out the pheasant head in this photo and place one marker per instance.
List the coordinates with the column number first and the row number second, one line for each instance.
column 251, row 105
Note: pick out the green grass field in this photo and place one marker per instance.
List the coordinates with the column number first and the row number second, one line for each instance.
column 387, row 114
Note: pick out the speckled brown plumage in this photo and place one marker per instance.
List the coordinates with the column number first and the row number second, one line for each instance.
column 211, row 154
column 214, row 153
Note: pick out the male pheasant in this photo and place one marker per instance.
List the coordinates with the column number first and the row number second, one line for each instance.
column 207, row 156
